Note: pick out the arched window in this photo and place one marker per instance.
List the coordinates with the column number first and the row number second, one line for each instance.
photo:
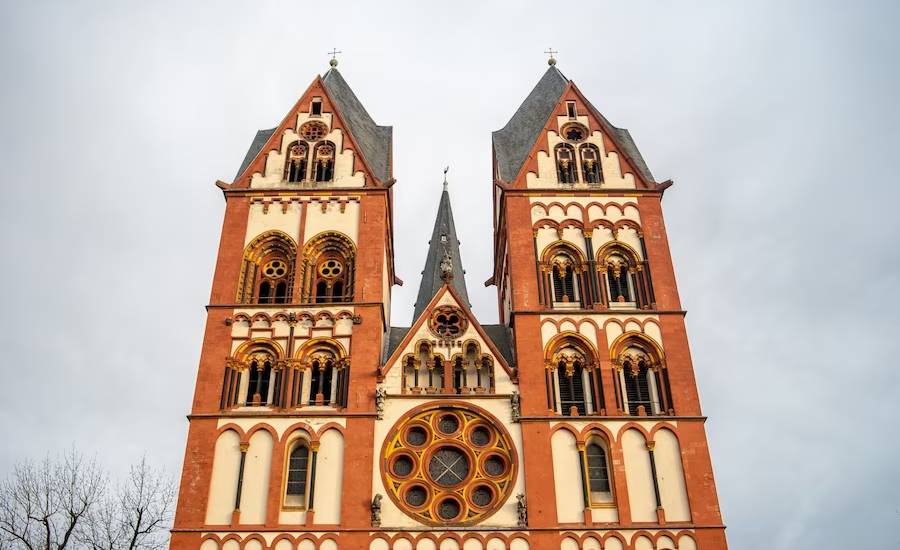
column 565, row 164
column 331, row 272
column 259, row 374
column 590, row 164
column 268, row 271
column 460, row 376
column 296, row 163
column 273, row 278
column 563, row 282
column 328, row 260
column 324, row 167
column 571, row 387
column 597, row 472
column 619, row 281
column 638, row 390
column 321, row 390
column 297, row 476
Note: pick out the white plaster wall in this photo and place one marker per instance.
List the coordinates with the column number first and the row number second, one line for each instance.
column 670, row 472
column 253, row 544
column 643, row 543
column 473, row 544
column 395, row 409
column 496, row 544
column 257, row 470
column 306, row 544
column 569, row 543
column 518, row 543
column 567, row 478
column 284, row 544
column 329, row 478
column 686, row 542
column 281, row 425
column 258, row 222
column 613, row 544
column 231, row 544
column 223, row 485
column 347, row 222
column 639, row 476
column 449, row 544
column 590, row 543
column 209, row 544
column 607, row 514
column 426, row 544
column 379, row 544
column 664, row 542
column 328, row 545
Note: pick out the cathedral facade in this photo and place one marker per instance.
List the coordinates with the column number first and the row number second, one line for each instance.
column 572, row 424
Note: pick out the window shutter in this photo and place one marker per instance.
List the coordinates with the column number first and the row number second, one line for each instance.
column 557, row 286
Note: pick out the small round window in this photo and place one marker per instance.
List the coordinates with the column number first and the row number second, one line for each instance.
column 275, row 268
column 313, row 131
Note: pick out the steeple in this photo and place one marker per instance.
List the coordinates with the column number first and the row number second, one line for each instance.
column 443, row 247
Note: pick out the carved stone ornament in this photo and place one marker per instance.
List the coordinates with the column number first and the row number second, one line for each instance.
column 522, row 509
column 376, row 510
column 380, row 395
column 515, row 410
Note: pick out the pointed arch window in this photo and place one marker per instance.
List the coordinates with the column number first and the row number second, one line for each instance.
column 324, row 164
column 297, row 162
column 590, row 164
column 565, row 164
column 297, row 476
column 259, row 375
column 597, row 472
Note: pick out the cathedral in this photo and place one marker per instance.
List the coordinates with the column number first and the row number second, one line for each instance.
column 573, row 424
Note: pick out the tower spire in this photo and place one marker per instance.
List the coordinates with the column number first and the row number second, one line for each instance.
column 443, row 262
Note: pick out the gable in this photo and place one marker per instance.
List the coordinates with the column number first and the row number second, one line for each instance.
column 375, row 142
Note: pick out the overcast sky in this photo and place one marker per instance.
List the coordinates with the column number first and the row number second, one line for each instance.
column 777, row 120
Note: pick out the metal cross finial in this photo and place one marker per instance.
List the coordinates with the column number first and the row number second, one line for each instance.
column 333, row 55
column 552, row 60
column 445, row 177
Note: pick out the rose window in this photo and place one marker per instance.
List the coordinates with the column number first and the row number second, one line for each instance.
column 450, row 464
column 574, row 132
column 448, row 322
column 313, row 131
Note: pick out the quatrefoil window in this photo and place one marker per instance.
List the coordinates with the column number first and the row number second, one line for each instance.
column 313, row 131
column 448, row 322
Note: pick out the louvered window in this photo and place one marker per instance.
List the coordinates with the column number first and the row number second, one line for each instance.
column 637, row 388
column 618, row 286
column 321, row 382
column 259, row 382
column 563, row 286
column 571, row 389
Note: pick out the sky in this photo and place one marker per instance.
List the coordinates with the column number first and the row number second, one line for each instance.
column 776, row 120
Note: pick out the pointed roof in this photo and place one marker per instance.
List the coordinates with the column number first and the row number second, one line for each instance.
column 443, row 238
column 514, row 142
column 372, row 140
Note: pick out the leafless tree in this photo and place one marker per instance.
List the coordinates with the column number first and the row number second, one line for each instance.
column 69, row 505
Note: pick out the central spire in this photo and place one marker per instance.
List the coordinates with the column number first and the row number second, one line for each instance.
column 443, row 252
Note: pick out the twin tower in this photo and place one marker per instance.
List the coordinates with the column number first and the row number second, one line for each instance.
column 573, row 424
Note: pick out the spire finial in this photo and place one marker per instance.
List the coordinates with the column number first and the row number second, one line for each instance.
column 333, row 55
column 552, row 60
column 445, row 177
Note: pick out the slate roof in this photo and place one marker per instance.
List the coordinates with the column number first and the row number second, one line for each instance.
column 256, row 145
column 514, row 142
column 392, row 339
column 443, row 237
column 374, row 140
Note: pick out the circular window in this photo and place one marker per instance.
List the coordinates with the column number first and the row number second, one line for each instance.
column 448, row 322
column 416, row 496
column 480, row 436
column 574, row 131
column 448, row 467
column 449, row 464
column 482, row 496
column 448, row 424
column 403, row 466
column 275, row 268
column 494, row 466
column 449, row 509
column 313, row 131
column 416, row 436
column 330, row 268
